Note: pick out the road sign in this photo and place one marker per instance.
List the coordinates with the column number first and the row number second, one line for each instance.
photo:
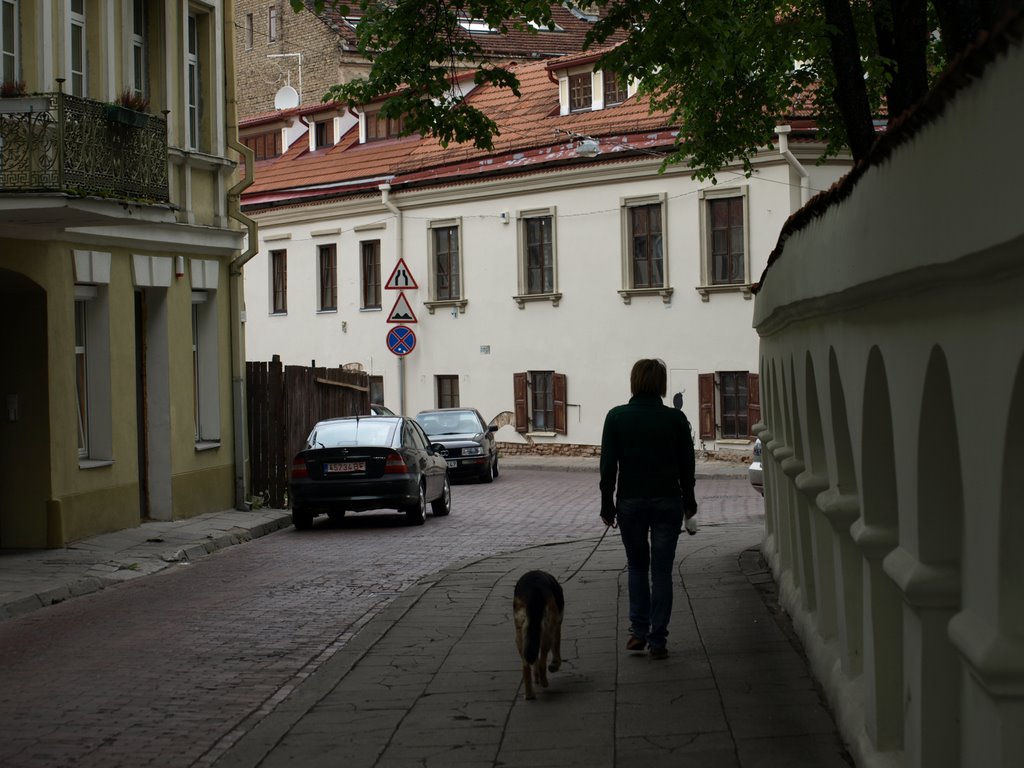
column 402, row 312
column 401, row 278
column 401, row 340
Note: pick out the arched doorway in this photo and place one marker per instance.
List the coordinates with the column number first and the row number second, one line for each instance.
column 24, row 413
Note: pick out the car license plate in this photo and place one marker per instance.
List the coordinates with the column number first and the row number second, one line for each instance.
column 453, row 465
column 346, row 466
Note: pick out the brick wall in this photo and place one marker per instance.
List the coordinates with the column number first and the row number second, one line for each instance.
column 258, row 77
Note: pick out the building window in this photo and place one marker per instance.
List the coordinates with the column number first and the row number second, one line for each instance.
column 730, row 405
column 92, row 373
column 76, row 47
column 540, row 254
column 377, row 390
column 615, row 92
column 445, row 263
column 140, row 55
column 250, row 32
column 82, row 378
column 10, row 66
column 540, row 401
column 647, row 256
column 323, row 133
column 580, row 92
column 265, row 145
column 205, row 367
column 447, row 391
column 328, row 277
column 370, row 259
column 192, row 107
column 274, row 26
column 279, row 281
column 725, row 250
column 379, row 127
column 725, row 233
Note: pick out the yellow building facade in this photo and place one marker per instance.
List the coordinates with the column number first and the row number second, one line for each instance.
column 120, row 248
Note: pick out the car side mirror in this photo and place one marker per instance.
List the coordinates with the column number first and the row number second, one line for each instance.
column 492, row 428
column 436, row 447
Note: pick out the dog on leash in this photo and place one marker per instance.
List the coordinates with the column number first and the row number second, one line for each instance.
column 537, row 607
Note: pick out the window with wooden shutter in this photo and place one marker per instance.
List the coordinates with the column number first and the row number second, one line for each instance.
column 558, row 390
column 706, row 392
column 520, row 395
column 753, row 401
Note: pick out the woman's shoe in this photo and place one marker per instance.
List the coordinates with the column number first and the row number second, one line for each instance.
column 635, row 643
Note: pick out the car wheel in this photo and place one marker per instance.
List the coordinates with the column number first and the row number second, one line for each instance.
column 487, row 475
column 442, row 505
column 302, row 519
column 417, row 513
column 336, row 515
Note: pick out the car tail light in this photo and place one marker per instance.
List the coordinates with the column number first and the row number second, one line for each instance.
column 395, row 464
column 299, row 468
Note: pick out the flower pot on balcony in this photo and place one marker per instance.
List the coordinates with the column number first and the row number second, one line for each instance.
column 15, row 104
column 124, row 116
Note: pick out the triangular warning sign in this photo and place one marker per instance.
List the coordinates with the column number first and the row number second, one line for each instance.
column 402, row 312
column 401, row 278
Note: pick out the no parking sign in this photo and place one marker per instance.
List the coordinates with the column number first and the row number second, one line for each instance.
column 401, row 340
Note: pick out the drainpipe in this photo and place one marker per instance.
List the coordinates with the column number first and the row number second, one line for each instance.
column 235, row 287
column 385, row 199
column 783, row 133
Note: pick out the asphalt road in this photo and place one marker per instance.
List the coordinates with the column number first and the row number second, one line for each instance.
column 173, row 669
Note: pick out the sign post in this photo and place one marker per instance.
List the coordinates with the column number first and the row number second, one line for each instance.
column 401, row 340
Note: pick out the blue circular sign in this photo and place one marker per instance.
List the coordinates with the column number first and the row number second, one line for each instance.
column 401, row 340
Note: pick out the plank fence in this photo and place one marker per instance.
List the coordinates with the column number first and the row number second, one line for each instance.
column 284, row 402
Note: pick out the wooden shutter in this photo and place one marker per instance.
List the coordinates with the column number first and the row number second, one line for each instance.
column 706, row 391
column 521, row 396
column 558, row 401
column 753, row 401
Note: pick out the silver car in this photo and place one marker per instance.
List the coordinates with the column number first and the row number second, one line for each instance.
column 754, row 472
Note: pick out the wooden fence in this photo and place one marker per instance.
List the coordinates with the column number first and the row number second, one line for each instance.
column 284, row 402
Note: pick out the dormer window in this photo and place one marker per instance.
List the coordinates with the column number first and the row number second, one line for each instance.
column 324, row 134
column 581, row 92
column 379, row 127
column 615, row 92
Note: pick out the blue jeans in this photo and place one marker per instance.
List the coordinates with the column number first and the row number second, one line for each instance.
column 649, row 562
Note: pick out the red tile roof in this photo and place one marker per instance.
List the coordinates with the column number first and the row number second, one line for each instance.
column 531, row 134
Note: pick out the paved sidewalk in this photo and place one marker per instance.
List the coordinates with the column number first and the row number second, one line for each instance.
column 434, row 679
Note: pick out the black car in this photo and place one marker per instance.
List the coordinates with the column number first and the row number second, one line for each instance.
column 469, row 445
column 357, row 463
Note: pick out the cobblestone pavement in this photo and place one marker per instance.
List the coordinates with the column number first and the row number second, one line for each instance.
column 171, row 670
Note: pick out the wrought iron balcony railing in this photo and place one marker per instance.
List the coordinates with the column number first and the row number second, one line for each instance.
column 55, row 142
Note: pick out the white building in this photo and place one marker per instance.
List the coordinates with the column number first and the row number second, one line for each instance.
column 542, row 270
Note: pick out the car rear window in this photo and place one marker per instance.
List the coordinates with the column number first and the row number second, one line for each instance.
column 366, row 432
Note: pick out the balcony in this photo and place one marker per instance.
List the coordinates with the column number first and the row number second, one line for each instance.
column 54, row 142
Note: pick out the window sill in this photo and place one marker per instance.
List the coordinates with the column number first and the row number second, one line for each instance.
column 331, row 311
column 627, row 294
column 734, row 440
column 705, row 291
column 370, row 309
column 207, row 445
column 541, row 434
column 279, row 314
column 94, row 463
column 459, row 303
column 521, row 300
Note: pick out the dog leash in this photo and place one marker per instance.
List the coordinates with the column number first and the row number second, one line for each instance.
column 592, row 551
